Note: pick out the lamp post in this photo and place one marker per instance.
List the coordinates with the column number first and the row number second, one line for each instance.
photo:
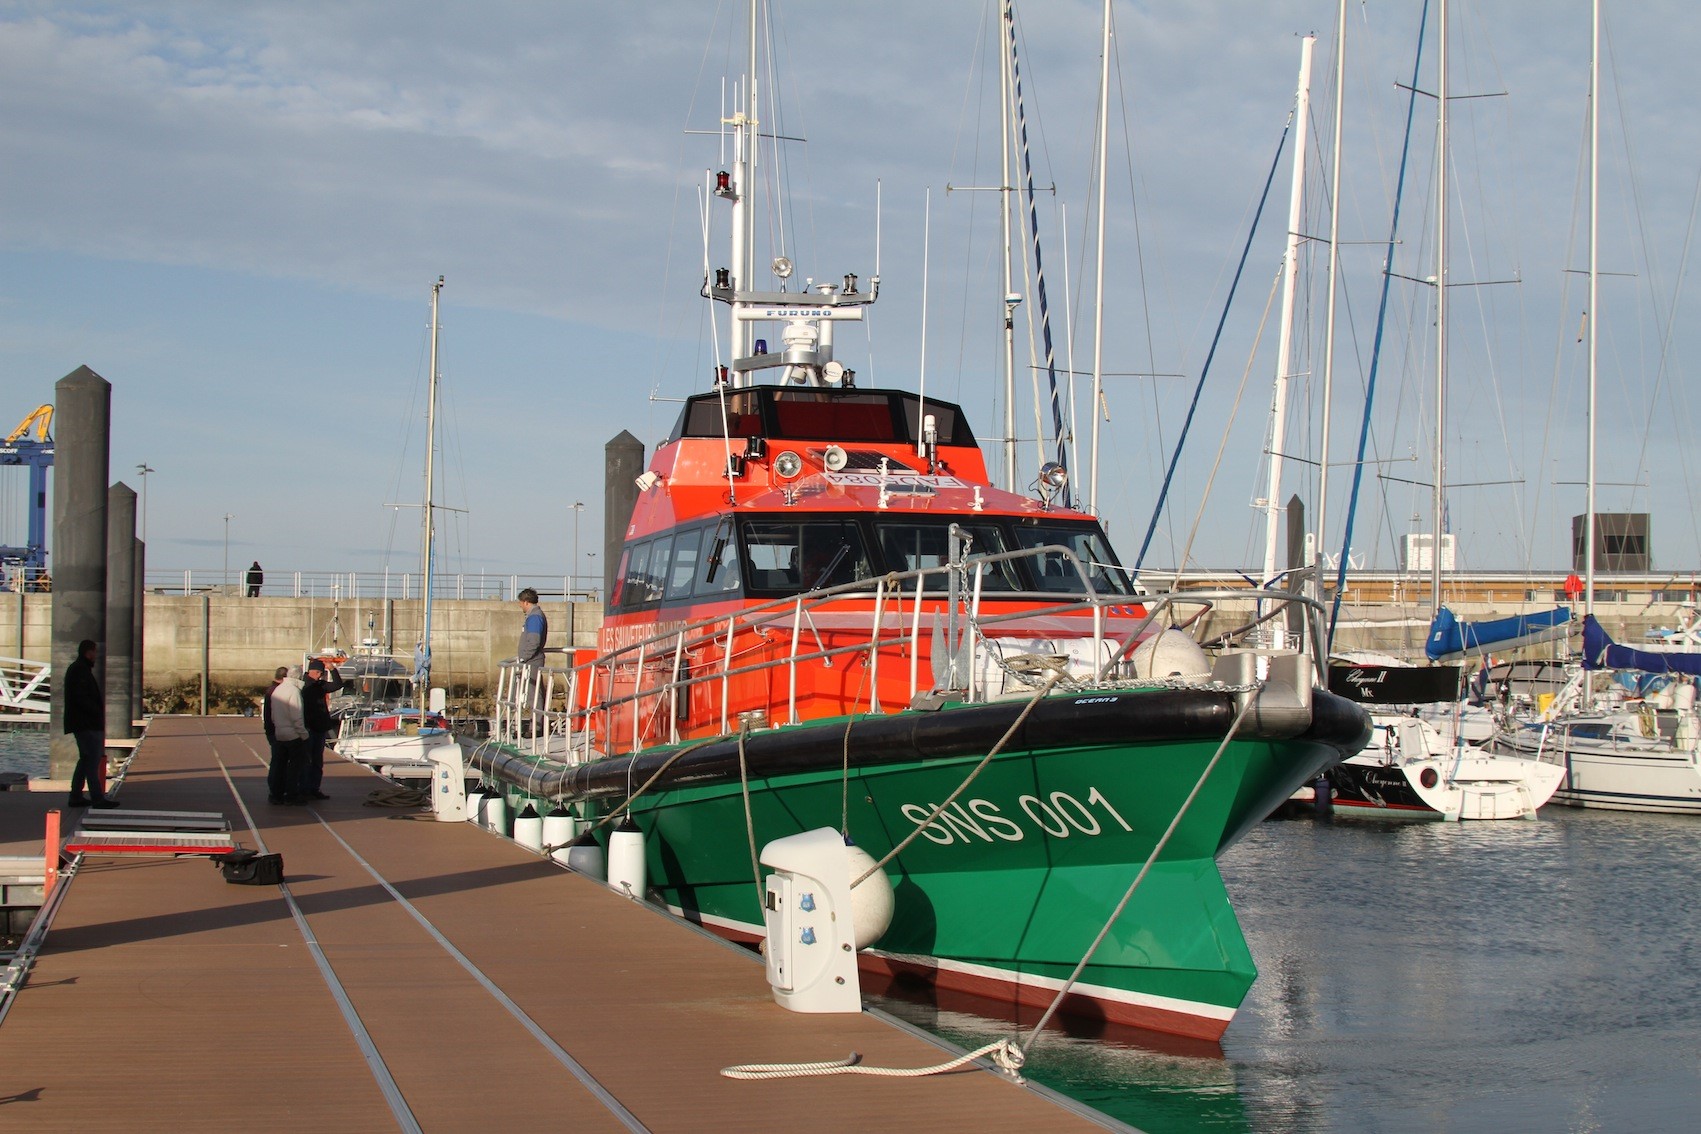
column 228, row 516
column 573, row 574
column 143, row 470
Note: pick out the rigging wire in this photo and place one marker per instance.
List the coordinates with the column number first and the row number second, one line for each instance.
column 1376, row 345
column 1210, row 355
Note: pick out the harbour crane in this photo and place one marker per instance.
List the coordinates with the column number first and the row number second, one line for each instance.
column 30, row 561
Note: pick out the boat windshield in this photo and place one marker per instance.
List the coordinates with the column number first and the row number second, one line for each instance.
column 804, row 556
column 773, row 556
column 1089, row 545
column 912, row 547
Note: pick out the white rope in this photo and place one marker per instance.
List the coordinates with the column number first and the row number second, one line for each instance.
column 1005, row 1054
column 1157, row 849
column 1039, row 695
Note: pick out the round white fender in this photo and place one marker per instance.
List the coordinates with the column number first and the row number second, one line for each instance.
column 871, row 900
column 1170, row 654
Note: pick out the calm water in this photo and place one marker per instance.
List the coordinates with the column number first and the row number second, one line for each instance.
column 24, row 750
column 1516, row 976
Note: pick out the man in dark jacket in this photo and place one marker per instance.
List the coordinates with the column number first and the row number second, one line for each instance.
column 256, row 579
column 85, row 719
column 316, row 690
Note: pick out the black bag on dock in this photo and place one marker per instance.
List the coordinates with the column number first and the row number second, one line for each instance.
column 247, row 867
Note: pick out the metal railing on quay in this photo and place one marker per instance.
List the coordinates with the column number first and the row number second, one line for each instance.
column 380, row 585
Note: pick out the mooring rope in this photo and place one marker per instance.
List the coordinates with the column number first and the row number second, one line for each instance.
column 1128, row 896
column 1005, row 1054
column 1039, row 695
column 749, row 820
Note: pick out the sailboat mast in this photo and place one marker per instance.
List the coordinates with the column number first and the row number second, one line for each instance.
column 430, row 533
column 1006, row 186
column 1322, row 508
column 1440, row 455
column 1284, row 345
column 1098, row 290
column 1594, row 300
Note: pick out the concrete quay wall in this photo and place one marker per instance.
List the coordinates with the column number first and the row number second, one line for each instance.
column 244, row 640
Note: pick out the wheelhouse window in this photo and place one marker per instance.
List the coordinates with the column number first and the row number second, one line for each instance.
column 791, row 557
column 1087, row 542
column 914, row 547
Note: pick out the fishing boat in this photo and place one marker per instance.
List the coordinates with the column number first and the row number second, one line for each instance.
column 378, row 724
column 827, row 616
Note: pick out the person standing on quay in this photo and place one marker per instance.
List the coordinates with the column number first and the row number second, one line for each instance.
column 266, row 719
column 534, row 635
column 85, row 719
column 316, row 692
column 289, row 754
column 256, row 580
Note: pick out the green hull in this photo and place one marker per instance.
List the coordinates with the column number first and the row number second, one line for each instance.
column 1003, row 894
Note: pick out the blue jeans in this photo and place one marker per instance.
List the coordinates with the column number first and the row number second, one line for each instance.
column 91, row 754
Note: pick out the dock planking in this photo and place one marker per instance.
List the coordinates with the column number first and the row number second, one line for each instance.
column 430, row 976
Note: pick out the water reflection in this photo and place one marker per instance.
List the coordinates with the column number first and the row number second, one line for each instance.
column 1419, row 977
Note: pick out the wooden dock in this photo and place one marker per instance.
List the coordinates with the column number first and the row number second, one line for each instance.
column 416, row 975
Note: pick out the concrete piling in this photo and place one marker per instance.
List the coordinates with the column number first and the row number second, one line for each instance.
column 82, row 420
column 120, row 609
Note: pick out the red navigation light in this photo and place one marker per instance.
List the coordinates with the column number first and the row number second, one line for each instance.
column 721, row 375
column 723, row 182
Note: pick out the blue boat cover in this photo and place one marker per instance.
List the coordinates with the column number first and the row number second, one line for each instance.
column 1601, row 652
column 1451, row 639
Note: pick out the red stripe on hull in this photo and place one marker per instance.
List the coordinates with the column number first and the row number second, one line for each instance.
column 1008, row 993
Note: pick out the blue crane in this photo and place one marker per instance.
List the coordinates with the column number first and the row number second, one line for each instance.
column 30, row 561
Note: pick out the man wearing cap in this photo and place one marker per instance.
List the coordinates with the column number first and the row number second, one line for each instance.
column 316, row 690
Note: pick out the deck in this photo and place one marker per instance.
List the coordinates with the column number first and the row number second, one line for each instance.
column 415, row 975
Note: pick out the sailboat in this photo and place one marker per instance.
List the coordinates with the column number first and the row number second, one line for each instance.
column 826, row 615
column 402, row 735
column 1412, row 769
column 1641, row 757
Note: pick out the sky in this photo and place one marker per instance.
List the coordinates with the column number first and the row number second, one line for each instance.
column 235, row 212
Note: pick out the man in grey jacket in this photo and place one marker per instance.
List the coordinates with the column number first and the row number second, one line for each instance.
column 289, row 755
column 534, row 635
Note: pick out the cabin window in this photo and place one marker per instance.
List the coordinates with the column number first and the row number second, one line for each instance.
column 803, row 556
column 687, row 549
column 641, row 584
column 720, row 574
column 914, row 547
column 1057, row 573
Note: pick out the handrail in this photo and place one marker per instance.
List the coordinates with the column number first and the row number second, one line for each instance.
column 25, row 686
column 1117, row 623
